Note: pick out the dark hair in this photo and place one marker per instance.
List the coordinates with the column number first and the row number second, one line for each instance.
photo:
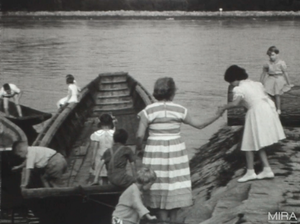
column 70, row 75
column 235, row 73
column 145, row 175
column 272, row 49
column 164, row 88
column 15, row 146
column 120, row 136
column 105, row 120
column 6, row 87
column 70, row 79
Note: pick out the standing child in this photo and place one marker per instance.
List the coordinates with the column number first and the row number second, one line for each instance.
column 115, row 159
column 130, row 208
column 73, row 92
column 262, row 125
column 102, row 139
column 50, row 164
column 274, row 77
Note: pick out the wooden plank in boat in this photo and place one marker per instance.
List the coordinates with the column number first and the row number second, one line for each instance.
column 130, row 124
column 114, row 74
column 115, row 93
column 112, row 107
column 117, row 79
column 112, row 100
column 81, row 150
column 74, row 170
column 130, row 102
column 113, row 87
column 83, row 175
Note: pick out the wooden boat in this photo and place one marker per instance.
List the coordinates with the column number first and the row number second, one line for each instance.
column 30, row 117
column 9, row 132
column 10, row 181
column 290, row 109
column 69, row 132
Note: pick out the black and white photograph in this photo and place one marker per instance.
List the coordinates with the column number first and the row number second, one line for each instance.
column 150, row 111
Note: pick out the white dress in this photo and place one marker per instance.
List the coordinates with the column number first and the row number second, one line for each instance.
column 105, row 139
column 262, row 124
column 73, row 92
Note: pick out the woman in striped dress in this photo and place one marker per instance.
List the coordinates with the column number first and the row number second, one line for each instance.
column 165, row 152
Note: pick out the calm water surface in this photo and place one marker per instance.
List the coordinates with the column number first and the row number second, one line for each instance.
column 37, row 54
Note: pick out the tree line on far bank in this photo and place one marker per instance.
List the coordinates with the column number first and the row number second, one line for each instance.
column 150, row 5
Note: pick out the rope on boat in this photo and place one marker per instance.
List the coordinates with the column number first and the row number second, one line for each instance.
column 87, row 198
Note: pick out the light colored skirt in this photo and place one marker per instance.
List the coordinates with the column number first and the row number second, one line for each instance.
column 167, row 156
column 262, row 126
column 276, row 85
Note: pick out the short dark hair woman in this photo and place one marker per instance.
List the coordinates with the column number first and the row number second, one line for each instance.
column 165, row 152
column 262, row 124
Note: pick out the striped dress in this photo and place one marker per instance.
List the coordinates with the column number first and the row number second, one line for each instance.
column 165, row 153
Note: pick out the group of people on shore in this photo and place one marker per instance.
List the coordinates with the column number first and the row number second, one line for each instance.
column 165, row 153
column 164, row 181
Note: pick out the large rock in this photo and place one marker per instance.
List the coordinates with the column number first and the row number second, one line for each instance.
column 219, row 198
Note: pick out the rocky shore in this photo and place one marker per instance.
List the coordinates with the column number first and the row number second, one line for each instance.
column 219, row 198
column 157, row 14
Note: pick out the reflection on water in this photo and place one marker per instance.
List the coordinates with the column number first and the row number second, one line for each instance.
column 37, row 54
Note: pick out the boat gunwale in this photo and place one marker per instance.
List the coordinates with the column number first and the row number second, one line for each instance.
column 36, row 114
column 15, row 129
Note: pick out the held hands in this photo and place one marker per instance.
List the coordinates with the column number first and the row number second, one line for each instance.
column 150, row 217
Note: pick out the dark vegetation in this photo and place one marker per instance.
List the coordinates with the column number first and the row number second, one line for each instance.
column 150, row 5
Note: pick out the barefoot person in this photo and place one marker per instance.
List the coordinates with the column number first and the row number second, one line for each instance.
column 165, row 152
column 11, row 92
column 262, row 124
column 47, row 162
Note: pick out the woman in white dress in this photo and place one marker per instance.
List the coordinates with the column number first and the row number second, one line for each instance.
column 73, row 92
column 262, row 124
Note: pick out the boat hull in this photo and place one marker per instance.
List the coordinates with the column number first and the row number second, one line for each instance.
column 68, row 132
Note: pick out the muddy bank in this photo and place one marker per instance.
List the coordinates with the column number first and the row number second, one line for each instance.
column 219, row 198
column 157, row 14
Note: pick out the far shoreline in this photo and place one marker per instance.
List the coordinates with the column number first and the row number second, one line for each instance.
column 169, row 15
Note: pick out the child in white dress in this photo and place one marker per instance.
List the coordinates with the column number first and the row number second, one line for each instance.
column 262, row 125
column 101, row 140
column 275, row 77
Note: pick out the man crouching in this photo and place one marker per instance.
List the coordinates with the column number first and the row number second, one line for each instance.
column 50, row 164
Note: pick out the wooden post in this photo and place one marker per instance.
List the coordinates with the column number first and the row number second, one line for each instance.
column 290, row 109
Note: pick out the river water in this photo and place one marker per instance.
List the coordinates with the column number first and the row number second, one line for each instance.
column 36, row 54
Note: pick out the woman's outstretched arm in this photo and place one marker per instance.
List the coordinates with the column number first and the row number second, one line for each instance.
column 199, row 124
